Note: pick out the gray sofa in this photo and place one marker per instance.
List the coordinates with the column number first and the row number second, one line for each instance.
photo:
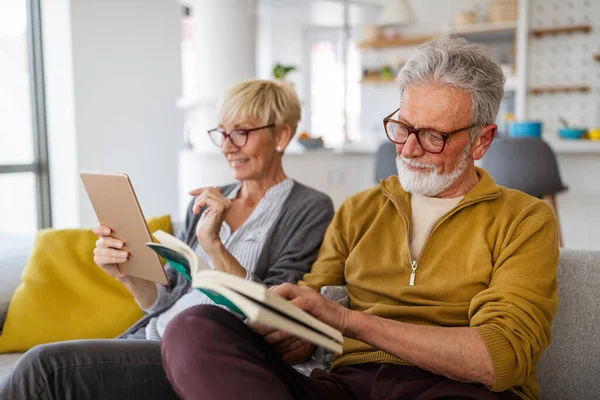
column 569, row 369
column 14, row 251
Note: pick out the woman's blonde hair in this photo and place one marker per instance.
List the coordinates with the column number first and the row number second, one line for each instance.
column 267, row 101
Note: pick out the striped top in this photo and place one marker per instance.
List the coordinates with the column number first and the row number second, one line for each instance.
column 245, row 244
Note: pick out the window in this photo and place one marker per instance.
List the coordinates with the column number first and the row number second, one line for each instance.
column 334, row 87
column 24, row 186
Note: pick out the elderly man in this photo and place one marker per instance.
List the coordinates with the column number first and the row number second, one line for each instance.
column 451, row 279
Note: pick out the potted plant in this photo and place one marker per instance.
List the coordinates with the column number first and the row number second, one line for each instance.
column 281, row 71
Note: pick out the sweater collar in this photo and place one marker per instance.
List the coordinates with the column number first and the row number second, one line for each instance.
column 485, row 189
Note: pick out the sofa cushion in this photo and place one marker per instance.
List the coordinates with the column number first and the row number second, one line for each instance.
column 65, row 296
column 569, row 367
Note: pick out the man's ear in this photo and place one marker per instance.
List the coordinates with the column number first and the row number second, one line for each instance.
column 283, row 137
column 484, row 141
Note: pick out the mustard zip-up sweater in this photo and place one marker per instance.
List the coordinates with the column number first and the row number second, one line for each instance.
column 489, row 264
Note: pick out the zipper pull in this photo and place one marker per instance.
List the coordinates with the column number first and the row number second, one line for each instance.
column 414, row 273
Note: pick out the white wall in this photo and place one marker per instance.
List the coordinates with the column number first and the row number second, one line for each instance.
column 113, row 74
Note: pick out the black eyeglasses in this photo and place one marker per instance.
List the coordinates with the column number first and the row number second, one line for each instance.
column 238, row 136
column 429, row 139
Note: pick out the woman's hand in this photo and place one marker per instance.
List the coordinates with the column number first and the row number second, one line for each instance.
column 209, row 228
column 108, row 252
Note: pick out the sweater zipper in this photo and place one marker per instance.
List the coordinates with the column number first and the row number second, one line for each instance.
column 415, row 263
column 413, row 274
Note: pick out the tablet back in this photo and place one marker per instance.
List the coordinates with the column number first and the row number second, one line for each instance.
column 117, row 207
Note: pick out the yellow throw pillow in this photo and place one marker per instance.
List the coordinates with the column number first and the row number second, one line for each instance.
column 64, row 295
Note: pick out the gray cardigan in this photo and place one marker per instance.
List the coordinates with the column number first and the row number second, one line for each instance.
column 288, row 253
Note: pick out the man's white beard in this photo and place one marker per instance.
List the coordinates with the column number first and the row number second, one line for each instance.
column 429, row 183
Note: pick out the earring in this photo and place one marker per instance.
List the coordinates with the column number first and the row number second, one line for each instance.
column 279, row 149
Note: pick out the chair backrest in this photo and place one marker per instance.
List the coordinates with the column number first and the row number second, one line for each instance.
column 570, row 367
column 525, row 164
column 385, row 161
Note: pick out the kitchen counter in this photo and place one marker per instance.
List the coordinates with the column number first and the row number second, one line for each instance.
column 343, row 172
column 339, row 173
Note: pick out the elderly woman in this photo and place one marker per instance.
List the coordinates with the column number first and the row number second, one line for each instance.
column 266, row 228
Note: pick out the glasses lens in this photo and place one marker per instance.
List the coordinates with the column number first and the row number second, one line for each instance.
column 431, row 141
column 217, row 137
column 396, row 132
column 238, row 138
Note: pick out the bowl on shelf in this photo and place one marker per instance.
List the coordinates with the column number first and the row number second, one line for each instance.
column 572, row 133
column 525, row 129
column 311, row 143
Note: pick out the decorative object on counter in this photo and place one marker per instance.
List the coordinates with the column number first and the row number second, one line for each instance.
column 525, row 129
column 572, row 133
column 396, row 13
column 309, row 142
column 503, row 10
column 594, row 134
column 559, row 30
column 569, row 132
column 528, row 165
column 281, row 71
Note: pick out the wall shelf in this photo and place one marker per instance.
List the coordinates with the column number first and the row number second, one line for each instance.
column 510, row 84
column 484, row 28
column 560, row 30
column 487, row 28
column 377, row 79
column 402, row 41
column 558, row 89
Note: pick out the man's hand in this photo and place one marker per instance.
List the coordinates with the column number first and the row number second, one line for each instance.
column 318, row 306
column 294, row 350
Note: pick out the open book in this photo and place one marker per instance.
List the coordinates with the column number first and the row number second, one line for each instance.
column 251, row 299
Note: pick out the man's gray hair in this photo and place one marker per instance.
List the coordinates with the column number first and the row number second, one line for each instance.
column 463, row 65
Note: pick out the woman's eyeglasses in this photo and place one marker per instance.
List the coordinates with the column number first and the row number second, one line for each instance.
column 429, row 139
column 238, row 136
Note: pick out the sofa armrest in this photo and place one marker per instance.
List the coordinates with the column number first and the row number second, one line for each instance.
column 14, row 252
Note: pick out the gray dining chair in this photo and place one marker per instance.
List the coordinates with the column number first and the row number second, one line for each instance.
column 385, row 161
column 525, row 164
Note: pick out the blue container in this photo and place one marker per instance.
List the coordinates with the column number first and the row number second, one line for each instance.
column 572, row 133
column 525, row 129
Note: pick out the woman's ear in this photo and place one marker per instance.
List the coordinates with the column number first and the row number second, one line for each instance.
column 283, row 138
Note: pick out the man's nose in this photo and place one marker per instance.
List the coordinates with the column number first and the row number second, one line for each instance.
column 411, row 148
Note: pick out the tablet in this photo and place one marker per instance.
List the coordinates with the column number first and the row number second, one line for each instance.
column 117, row 207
